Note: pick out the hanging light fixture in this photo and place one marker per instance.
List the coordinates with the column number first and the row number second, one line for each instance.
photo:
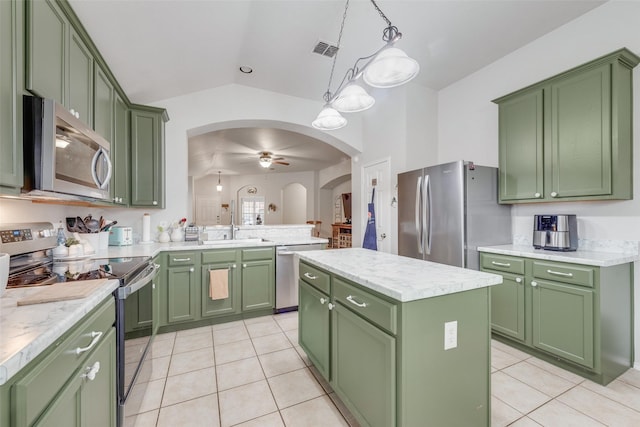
column 388, row 67
column 265, row 161
column 219, row 186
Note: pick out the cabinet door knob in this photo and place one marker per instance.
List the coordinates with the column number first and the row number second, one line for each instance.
column 154, row 203
column 92, row 371
column 518, row 280
column 323, row 300
column 330, row 306
column 554, row 194
column 191, row 270
column 534, row 284
column 233, row 266
column 537, row 195
column 244, row 265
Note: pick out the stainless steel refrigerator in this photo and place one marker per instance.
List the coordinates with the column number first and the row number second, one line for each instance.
column 446, row 211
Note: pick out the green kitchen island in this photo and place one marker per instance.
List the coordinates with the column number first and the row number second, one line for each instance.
column 402, row 342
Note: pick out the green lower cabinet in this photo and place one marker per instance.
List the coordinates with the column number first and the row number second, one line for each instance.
column 507, row 306
column 563, row 321
column 258, row 290
column 314, row 328
column 364, row 368
column 182, row 294
column 220, row 307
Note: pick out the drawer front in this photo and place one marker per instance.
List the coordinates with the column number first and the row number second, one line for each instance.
column 315, row 277
column 566, row 273
column 214, row 257
column 504, row 263
column 255, row 254
column 369, row 306
column 181, row 258
column 43, row 382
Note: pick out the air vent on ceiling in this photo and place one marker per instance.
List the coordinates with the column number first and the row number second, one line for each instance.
column 325, row 49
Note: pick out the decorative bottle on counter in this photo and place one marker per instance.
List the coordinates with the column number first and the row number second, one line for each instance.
column 163, row 237
column 176, row 235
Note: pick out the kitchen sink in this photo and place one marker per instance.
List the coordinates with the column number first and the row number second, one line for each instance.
column 248, row 241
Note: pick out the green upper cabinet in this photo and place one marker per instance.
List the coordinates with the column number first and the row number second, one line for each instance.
column 11, row 83
column 104, row 105
column 569, row 137
column 59, row 63
column 147, row 156
column 120, row 179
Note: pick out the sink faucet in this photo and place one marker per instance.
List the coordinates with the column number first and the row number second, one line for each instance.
column 233, row 221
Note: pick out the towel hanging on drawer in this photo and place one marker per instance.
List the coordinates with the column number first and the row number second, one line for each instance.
column 219, row 283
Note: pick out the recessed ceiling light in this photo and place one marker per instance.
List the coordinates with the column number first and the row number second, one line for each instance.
column 245, row 69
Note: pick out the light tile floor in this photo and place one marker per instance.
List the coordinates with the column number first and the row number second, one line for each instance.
column 253, row 373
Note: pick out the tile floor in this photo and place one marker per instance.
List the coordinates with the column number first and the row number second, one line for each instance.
column 253, row 373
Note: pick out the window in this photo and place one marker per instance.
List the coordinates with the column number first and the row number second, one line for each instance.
column 252, row 210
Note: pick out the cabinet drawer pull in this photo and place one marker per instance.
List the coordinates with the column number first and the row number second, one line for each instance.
column 560, row 273
column 308, row 276
column 181, row 259
column 501, row 264
column 96, row 337
column 356, row 303
column 92, row 371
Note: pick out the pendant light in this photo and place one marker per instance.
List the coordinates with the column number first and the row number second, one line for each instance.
column 388, row 67
column 219, row 186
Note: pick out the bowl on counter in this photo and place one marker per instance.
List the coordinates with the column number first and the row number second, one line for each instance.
column 4, row 272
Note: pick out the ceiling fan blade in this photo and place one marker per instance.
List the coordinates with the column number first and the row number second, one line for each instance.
column 277, row 158
column 281, row 163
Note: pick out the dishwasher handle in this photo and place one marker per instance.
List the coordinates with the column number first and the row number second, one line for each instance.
column 284, row 253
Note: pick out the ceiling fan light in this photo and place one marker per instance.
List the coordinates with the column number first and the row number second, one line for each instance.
column 392, row 67
column 329, row 119
column 265, row 162
column 353, row 98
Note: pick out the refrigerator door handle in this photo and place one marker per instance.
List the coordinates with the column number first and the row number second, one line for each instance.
column 427, row 220
column 418, row 218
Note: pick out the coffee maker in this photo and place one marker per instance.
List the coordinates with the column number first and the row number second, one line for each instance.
column 555, row 232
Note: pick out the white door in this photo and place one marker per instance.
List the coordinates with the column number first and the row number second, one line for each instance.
column 207, row 210
column 378, row 175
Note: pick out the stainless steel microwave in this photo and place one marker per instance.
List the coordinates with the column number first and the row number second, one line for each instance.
column 62, row 155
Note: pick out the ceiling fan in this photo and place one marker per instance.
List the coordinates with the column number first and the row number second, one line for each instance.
column 267, row 159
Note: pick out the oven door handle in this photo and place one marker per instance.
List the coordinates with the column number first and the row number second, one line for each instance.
column 149, row 273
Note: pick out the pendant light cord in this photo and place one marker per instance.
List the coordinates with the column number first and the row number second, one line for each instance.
column 382, row 15
column 327, row 94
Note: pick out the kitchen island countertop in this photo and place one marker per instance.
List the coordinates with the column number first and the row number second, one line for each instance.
column 26, row 331
column 401, row 278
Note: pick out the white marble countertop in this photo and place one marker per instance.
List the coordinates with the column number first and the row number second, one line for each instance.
column 599, row 259
column 26, row 331
column 154, row 248
column 401, row 278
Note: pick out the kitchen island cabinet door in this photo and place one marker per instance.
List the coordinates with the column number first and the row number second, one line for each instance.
column 314, row 326
column 521, row 143
column 563, row 318
column 363, row 367
column 11, row 87
column 98, row 394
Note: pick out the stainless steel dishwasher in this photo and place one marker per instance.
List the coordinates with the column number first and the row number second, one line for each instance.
column 287, row 275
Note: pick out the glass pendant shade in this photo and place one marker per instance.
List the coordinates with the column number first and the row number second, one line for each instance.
column 219, row 186
column 392, row 67
column 265, row 162
column 329, row 119
column 353, row 98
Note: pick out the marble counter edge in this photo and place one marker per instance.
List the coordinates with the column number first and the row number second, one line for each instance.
column 22, row 357
column 474, row 280
column 598, row 259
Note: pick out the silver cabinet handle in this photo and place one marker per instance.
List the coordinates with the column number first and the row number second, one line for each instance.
column 501, row 264
column 560, row 273
column 518, row 280
column 534, row 284
column 537, row 195
column 330, row 305
column 96, row 337
column 356, row 303
column 181, row 259
column 323, row 300
column 308, row 276
column 92, row 371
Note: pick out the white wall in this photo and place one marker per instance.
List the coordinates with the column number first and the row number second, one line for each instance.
column 468, row 120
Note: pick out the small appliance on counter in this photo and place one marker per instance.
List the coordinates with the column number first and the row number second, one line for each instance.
column 120, row 236
column 555, row 232
column 191, row 233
